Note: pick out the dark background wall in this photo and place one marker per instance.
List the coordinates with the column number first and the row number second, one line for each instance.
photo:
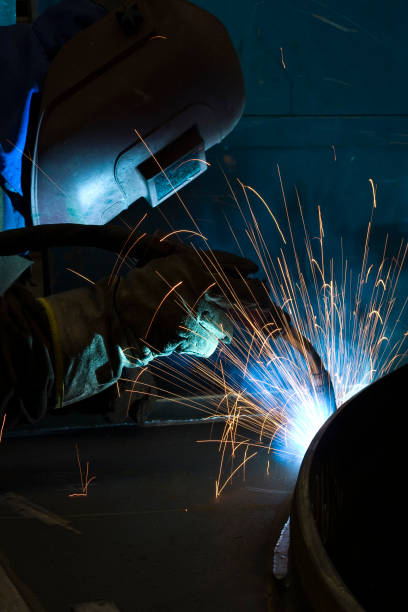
column 343, row 87
column 326, row 100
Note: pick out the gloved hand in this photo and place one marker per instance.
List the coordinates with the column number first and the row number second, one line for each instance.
column 180, row 303
column 177, row 303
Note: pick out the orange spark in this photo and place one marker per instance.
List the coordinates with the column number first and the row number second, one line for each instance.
column 323, row 322
column 201, row 295
column 266, row 206
column 132, row 390
column 80, row 275
column 160, row 305
column 219, row 490
column 282, row 59
column 334, row 152
column 374, row 190
column 197, row 159
column 85, row 482
column 368, row 271
column 320, row 222
column 125, row 256
column 377, row 314
column 37, row 166
column 2, row 427
column 123, row 248
column 182, row 231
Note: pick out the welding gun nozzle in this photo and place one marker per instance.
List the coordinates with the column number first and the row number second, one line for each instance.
column 320, row 377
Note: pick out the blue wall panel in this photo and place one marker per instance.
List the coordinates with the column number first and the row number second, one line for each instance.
column 343, row 87
column 7, row 12
column 344, row 57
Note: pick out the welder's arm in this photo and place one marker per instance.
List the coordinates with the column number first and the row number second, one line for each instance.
column 27, row 385
column 174, row 304
column 72, row 345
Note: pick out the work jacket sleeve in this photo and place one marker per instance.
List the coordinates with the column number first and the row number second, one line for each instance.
column 27, row 387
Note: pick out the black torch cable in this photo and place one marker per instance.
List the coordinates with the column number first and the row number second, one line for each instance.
column 108, row 237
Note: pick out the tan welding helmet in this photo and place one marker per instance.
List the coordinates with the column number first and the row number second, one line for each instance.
column 140, row 92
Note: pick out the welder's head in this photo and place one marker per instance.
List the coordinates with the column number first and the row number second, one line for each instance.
column 160, row 78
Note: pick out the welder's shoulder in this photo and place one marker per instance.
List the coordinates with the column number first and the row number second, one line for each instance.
column 11, row 268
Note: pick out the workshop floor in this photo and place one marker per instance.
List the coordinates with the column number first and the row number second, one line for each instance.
column 150, row 535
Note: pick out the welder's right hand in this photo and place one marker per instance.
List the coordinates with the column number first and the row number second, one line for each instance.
column 182, row 303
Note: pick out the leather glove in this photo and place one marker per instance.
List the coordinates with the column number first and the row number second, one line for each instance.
column 180, row 303
column 177, row 303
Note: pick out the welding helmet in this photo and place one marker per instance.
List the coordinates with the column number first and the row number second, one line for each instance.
column 129, row 107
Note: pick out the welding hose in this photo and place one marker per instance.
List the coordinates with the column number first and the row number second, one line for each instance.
column 320, row 376
column 108, row 237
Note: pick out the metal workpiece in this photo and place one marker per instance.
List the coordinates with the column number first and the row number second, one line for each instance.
column 339, row 520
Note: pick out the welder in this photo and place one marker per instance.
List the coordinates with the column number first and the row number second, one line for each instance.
column 107, row 102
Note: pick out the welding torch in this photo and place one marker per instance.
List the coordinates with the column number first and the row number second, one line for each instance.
column 320, row 377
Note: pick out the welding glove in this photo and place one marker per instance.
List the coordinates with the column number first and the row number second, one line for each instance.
column 173, row 304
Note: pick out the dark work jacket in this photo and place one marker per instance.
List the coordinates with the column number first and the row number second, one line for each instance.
column 26, row 371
